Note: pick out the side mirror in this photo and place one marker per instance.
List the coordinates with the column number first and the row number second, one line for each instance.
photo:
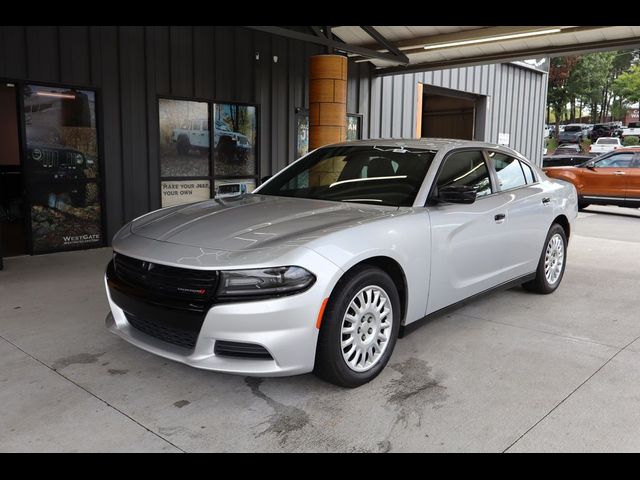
column 264, row 179
column 591, row 165
column 457, row 194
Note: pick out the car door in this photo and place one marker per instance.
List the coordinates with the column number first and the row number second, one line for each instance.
column 467, row 244
column 529, row 213
column 633, row 183
column 606, row 179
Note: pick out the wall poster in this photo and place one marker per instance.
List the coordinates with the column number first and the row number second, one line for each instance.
column 62, row 167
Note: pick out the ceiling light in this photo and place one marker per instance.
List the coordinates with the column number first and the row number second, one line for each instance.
column 493, row 39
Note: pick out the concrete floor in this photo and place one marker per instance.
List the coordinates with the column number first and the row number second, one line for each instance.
column 511, row 372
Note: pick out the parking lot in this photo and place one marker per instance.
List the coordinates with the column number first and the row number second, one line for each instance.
column 512, row 372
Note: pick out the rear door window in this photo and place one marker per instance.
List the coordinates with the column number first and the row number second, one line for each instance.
column 508, row 170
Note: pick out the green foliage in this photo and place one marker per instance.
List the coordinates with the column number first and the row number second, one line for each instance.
column 631, row 141
column 627, row 85
column 584, row 145
column 598, row 81
column 552, row 144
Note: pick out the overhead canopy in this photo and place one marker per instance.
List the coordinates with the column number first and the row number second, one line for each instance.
column 429, row 47
column 409, row 48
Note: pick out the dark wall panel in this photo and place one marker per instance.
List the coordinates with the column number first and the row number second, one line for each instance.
column 225, row 62
column 161, row 52
column 133, row 122
column 43, row 59
column 75, row 59
column 181, row 61
column 107, row 51
column 203, row 59
column 13, row 52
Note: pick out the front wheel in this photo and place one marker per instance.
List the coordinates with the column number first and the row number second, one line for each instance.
column 359, row 328
column 552, row 262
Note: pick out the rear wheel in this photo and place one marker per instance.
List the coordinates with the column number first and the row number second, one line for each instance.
column 183, row 146
column 359, row 329
column 583, row 205
column 552, row 262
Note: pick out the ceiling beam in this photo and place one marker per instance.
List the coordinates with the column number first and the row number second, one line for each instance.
column 556, row 51
column 361, row 51
column 317, row 31
column 382, row 40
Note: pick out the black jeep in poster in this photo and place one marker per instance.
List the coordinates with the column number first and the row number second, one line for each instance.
column 61, row 161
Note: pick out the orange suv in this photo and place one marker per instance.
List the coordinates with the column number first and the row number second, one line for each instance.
column 609, row 179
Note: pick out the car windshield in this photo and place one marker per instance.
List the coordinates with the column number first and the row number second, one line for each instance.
column 607, row 141
column 572, row 128
column 380, row 175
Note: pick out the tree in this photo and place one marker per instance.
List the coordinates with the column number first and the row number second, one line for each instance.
column 558, row 95
column 627, row 85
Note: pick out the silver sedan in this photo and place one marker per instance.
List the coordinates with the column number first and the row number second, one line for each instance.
column 326, row 264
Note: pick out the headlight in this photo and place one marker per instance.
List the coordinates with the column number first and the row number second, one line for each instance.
column 265, row 282
column 36, row 154
column 79, row 158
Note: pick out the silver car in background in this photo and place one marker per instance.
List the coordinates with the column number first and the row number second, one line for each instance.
column 326, row 264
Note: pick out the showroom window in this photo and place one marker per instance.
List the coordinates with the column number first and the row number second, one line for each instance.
column 207, row 150
column 62, row 168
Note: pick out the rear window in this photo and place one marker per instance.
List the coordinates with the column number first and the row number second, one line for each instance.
column 572, row 128
column 607, row 141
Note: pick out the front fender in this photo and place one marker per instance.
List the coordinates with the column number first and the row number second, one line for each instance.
column 405, row 238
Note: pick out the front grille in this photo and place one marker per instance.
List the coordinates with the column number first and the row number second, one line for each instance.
column 239, row 349
column 168, row 303
column 176, row 336
column 174, row 287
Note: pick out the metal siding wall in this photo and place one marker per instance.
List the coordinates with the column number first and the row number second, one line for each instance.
column 130, row 66
column 515, row 102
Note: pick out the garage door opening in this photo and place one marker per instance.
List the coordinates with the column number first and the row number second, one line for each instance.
column 447, row 113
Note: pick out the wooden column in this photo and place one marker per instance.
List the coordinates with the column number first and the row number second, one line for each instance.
column 327, row 100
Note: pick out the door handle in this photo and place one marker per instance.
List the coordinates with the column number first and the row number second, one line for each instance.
column 546, row 200
column 499, row 217
column 619, row 173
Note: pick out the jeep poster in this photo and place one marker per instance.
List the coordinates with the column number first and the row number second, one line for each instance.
column 184, row 138
column 235, row 138
column 61, row 165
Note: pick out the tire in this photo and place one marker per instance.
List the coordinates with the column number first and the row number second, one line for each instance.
column 583, row 205
column 331, row 360
column 184, row 145
column 79, row 197
column 541, row 283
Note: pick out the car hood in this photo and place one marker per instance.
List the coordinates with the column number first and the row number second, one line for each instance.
column 253, row 221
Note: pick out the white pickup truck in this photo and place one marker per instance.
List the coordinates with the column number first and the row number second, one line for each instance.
column 194, row 135
column 605, row 144
column 633, row 130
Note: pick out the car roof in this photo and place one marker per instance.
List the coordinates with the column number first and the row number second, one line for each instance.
column 433, row 144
